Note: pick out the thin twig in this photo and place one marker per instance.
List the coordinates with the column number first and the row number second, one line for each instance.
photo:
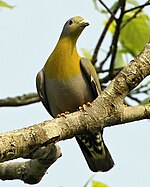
column 116, row 37
column 98, row 45
column 108, row 78
column 116, row 69
column 111, row 13
column 99, row 69
column 138, row 7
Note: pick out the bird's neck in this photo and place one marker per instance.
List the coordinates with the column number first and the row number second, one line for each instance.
column 64, row 62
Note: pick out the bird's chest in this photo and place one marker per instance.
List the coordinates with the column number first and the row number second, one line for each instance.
column 68, row 95
column 63, row 63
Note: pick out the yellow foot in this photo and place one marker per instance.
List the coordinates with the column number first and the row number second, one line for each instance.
column 85, row 105
column 63, row 114
column 89, row 104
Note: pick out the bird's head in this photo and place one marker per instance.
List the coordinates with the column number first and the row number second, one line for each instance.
column 74, row 26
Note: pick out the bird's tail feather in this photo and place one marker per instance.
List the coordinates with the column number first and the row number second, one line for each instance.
column 95, row 152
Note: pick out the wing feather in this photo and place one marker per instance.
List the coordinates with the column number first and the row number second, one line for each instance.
column 40, row 84
column 91, row 74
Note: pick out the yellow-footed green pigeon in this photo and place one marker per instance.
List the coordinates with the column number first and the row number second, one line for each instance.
column 68, row 81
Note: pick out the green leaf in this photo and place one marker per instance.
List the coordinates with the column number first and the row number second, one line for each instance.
column 146, row 101
column 136, row 33
column 111, row 27
column 5, row 5
column 119, row 61
column 133, row 2
column 86, row 53
column 98, row 184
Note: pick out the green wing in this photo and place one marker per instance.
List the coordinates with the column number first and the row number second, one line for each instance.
column 92, row 76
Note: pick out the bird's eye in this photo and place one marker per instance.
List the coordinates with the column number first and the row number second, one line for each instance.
column 70, row 22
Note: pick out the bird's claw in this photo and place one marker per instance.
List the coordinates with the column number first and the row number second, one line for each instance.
column 62, row 114
column 85, row 105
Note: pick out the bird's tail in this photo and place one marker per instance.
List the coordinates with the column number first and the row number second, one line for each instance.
column 95, row 152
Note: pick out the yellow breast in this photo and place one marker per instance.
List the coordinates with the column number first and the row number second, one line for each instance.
column 64, row 62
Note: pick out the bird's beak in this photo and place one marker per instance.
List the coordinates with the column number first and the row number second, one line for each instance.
column 84, row 23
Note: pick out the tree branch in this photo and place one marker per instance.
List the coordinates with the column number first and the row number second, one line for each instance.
column 128, row 78
column 135, row 113
column 25, row 171
column 20, row 100
column 107, row 110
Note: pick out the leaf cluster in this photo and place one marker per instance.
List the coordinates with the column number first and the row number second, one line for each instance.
column 129, row 30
